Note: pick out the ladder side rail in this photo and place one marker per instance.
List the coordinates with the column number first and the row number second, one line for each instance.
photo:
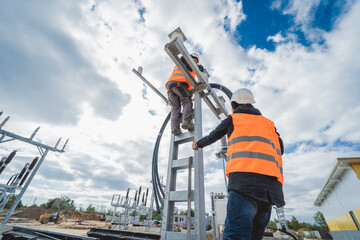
column 168, row 214
column 192, row 81
column 210, row 104
column 182, row 67
column 199, row 74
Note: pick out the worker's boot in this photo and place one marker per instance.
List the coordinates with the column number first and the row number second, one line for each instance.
column 176, row 131
column 188, row 125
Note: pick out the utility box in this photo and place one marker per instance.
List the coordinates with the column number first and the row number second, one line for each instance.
column 218, row 206
column 220, row 211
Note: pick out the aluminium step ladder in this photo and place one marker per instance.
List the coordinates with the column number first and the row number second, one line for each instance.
column 196, row 195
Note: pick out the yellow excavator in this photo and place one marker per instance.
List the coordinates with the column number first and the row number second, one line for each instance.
column 55, row 217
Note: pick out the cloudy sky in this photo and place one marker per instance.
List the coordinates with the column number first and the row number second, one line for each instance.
column 66, row 66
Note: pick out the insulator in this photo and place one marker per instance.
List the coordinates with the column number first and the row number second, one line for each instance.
column 33, row 163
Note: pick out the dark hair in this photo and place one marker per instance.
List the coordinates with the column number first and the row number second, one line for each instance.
column 234, row 105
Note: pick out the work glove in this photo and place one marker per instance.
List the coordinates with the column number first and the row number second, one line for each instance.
column 201, row 68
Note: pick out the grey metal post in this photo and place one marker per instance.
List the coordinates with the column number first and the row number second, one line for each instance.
column 199, row 195
column 215, row 232
column 151, row 209
column 188, row 222
column 18, row 198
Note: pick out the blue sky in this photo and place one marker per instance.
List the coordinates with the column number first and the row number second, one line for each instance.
column 66, row 66
column 267, row 18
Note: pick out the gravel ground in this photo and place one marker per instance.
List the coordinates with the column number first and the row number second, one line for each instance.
column 68, row 226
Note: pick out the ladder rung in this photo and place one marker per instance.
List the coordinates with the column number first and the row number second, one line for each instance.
column 199, row 88
column 182, row 163
column 207, row 94
column 180, row 196
column 184, row 138
column 178, row 235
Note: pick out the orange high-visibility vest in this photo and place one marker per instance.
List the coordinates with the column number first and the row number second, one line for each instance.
column 254, row 146
column 177, row 75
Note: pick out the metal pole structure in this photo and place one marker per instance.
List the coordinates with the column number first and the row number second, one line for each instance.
column 12, row 136
column 150, row 85
column 188, row 220
column 151, row 207
column 18, row 198
column 215, row 232
column 199, row 194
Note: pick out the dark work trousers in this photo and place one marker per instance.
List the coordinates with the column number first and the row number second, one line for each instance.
column 246, row 218
column 180, row 96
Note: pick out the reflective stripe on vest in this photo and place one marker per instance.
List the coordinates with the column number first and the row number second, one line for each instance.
column 254, row 138
column 178, row 76
column 254, row 146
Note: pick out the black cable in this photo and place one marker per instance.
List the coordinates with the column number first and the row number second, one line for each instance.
column 222, row 88
column 158, row 190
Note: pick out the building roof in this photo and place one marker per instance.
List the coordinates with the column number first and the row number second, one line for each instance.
column 337, row 171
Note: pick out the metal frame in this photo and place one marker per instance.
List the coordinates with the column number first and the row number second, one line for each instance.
column 281, row 217
column 43, row 149
column 127, row 204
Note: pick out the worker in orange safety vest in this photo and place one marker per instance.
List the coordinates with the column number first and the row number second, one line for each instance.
column 178, row 88
column 254, row 167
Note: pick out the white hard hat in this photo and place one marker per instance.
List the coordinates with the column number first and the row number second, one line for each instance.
column 243, row 96
column 195, row 55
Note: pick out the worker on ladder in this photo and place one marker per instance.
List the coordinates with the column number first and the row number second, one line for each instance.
column 254, row 167
column 178, row 88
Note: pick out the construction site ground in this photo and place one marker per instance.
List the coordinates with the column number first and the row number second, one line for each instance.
column 27, row 217
column 68, row 226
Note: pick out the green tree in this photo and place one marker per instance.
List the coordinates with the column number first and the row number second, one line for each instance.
column 11, row 202
column 272, row 225
column 192, row 212
column 43, row 205
column 63, row 203
column 309, row 227
column 320, row 221
column 90, row 209
column 156, row 215
column 294, row 224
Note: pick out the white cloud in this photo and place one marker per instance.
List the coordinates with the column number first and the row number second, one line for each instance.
column 277, row 38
